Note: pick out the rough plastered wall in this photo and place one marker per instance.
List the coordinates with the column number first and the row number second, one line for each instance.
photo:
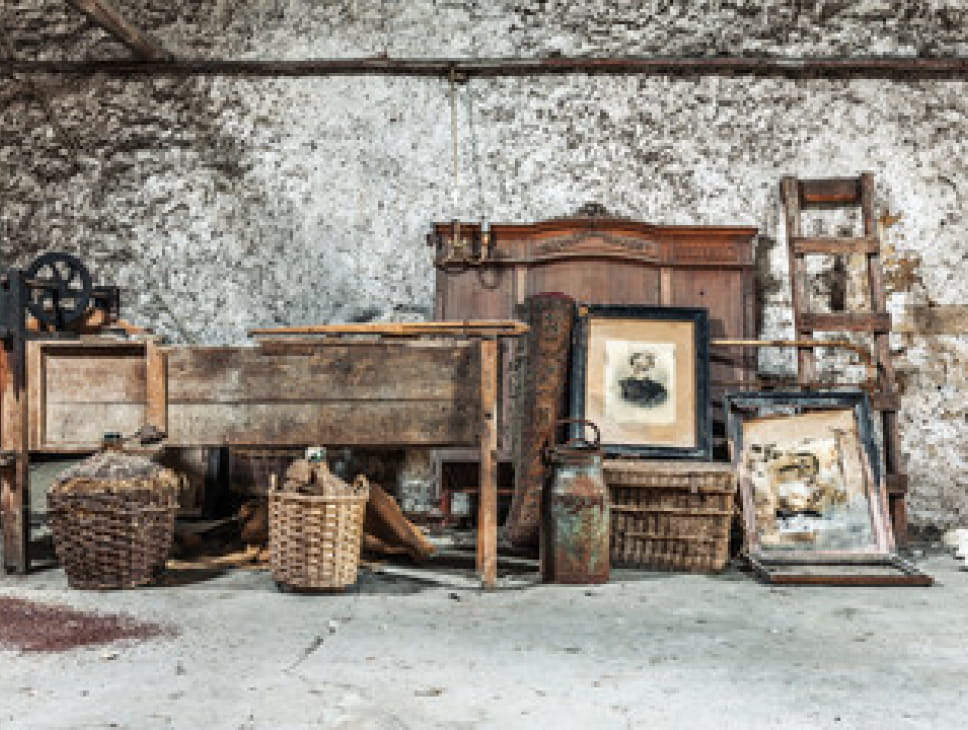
column 220, row 204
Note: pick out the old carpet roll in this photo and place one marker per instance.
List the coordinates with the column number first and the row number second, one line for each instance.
column 542, row 395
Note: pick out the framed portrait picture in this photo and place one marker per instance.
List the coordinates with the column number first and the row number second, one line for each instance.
column 812, row 495
column 642, row 375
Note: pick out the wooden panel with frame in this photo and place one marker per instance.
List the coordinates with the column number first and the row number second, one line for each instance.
column 814, row 502
column 642, row 375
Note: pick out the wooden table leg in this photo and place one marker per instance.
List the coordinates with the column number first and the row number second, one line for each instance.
column 14, row 473
column 487, row 501
column 156, row 386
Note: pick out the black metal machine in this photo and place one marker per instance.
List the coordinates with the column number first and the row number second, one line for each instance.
column 56, row 291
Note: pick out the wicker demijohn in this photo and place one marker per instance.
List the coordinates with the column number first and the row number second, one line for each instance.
column 315, row 539
column 113, row 519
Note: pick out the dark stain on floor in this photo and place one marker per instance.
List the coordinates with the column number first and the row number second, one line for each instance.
column 37, row 627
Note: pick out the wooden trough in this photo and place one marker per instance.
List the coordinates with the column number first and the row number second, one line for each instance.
column 422, row 385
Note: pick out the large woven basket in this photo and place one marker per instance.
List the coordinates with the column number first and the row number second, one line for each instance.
column 670, row 515
column 314, row 541
column 116, row 539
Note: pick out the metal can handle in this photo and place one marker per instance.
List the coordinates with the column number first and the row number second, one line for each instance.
column 577, row 441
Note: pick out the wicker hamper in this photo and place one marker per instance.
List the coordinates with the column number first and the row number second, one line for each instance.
column 670, row 515
column 314, row 541
column 113, row 519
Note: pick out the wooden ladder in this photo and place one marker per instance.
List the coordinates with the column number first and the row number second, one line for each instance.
column 843, row 193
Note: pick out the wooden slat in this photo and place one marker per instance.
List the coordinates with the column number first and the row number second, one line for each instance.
column 829, row 191
column 881, row 401
column 896, row 483
column 361, row 372
column 156, row 386
column 487, row 508
column 845, row 322
column 336, row 423
column 834, row 245
column 35, row 393
column 464, row 328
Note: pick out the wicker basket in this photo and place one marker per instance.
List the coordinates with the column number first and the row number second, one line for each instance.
column 670, row 515
column 314, row 541
column 109, row 539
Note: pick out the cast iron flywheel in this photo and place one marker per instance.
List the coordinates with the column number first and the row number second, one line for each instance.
column 59, row 287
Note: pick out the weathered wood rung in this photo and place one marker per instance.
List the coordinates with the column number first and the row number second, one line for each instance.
column 829, row 191
column 896, row 483
column 886, row 401
column 832, row 245
column 844, row 322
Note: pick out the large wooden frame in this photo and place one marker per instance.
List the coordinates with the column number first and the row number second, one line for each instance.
column 675, row 422
column 379, row 386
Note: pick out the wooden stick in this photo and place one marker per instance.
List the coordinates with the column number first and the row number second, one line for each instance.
column 468, row 328
column 112, row 21
column 156, row 386
column 487, row 501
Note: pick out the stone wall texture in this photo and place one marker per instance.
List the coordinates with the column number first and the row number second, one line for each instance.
column 220, row 204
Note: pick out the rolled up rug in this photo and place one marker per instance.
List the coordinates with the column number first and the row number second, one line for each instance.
column 542, row 395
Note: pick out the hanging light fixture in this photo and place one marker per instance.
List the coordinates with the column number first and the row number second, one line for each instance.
column 467, row 246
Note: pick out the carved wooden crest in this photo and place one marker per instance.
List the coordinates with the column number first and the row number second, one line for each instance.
column 598, row 243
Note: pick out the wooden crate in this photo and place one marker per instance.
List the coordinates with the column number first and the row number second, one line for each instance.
column 670, row 515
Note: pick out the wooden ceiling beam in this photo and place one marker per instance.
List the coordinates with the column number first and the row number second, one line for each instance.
column 111, row 20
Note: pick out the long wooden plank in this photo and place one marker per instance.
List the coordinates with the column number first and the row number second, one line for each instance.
column 830, row 245
column 845, row 322
column 112, row 21
column 362, row 372
column 334, row 423
column 469, row 328
column 487, row 505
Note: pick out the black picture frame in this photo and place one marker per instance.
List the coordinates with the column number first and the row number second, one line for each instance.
column 700, row 442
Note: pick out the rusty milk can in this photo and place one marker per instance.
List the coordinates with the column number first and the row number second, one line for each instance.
column 575, row 519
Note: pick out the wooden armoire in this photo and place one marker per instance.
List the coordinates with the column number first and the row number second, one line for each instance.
column 600, row 259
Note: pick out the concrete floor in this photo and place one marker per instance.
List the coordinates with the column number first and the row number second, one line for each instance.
column 647, row 650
